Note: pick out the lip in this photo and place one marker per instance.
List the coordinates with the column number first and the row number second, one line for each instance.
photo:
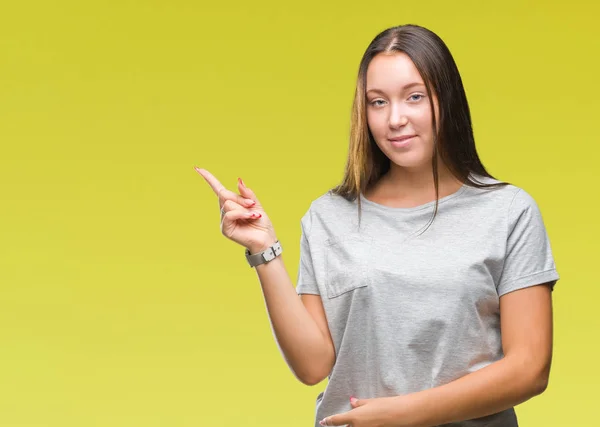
column 401, row 141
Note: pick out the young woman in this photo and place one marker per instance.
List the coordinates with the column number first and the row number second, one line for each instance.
column 413, row 265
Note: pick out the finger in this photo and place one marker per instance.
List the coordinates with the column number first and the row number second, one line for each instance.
column 221, row 191
column 230, row 205
column 246, row 192
column 238, row 214
column 214, row 183
column 225, row 194
column 336, row 420
column 358, row 402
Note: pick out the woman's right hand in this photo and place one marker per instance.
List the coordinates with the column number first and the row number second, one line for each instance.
column 243, row 218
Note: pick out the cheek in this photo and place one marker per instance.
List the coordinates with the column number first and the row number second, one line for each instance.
column 424, row 120
column 377, row 124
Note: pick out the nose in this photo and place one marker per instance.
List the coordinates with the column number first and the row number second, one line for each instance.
column 398, row 117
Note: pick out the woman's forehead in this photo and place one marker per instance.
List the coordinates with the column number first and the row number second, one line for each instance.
column 392, row 72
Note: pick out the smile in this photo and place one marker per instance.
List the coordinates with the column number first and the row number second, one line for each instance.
column 401, row 143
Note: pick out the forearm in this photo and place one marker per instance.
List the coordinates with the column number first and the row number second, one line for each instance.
column 498, row 386
column 300, row 340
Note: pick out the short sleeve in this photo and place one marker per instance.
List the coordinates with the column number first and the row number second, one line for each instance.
column 528, row 260
column 307, row 282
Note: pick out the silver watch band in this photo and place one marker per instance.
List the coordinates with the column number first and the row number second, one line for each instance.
column 265, row 256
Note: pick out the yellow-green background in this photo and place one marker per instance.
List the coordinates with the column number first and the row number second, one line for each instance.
column 121, row 304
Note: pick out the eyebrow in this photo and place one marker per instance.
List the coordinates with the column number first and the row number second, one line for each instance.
column 409, row 85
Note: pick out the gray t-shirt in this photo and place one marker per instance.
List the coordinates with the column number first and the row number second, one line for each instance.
column 408, row 312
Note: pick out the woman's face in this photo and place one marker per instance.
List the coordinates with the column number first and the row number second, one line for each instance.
column 397, row 106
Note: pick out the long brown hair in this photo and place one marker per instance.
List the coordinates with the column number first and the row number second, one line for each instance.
column 455, row 143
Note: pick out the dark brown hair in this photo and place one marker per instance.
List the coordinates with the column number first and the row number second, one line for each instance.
column 455, row 143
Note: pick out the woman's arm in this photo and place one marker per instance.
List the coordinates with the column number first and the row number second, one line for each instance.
column 526, row 324
column 298, row 323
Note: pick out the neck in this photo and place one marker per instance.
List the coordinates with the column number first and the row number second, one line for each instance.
column 417, row 180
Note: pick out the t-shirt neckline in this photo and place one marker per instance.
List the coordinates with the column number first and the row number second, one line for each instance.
column 375, row 205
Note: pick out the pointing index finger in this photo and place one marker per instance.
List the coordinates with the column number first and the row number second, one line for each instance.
column 214, row 183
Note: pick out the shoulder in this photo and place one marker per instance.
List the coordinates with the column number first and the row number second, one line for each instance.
column 329, row 213
column 330, row 203
column 512, row 200
column 502, row 196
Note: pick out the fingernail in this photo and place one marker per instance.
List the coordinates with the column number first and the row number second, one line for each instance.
column 322, row 422
column 197, row 169
column 242, row 182
column 249, row 202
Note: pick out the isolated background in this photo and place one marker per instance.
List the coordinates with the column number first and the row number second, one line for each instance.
column 121, row 304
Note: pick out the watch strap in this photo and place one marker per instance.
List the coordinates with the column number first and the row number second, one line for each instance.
column 265, row 256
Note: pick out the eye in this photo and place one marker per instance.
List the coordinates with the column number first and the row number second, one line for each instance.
column 374, row 102
column 416, row 94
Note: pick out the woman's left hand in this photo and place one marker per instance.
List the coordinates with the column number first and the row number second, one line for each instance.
column 376, row 412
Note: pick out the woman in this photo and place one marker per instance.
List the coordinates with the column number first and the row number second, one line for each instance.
column 411, row 267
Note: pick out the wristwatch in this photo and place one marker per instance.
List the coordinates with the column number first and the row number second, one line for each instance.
column 265, row 256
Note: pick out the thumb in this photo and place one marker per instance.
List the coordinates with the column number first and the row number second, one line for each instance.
column 246, row 192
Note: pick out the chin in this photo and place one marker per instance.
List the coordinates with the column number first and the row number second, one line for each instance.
column 410, row 160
